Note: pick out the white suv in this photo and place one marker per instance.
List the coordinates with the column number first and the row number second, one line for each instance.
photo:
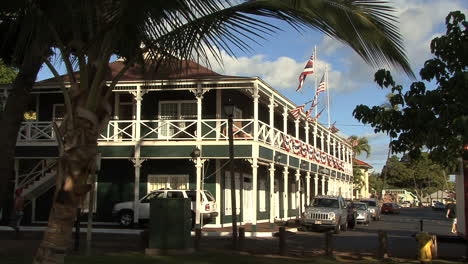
column 123, row 212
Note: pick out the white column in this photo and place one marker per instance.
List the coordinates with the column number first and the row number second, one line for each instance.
column 285, row 120
column 307, row 202
column 137, row 160
column 330, row 186
column 323, row 185
column 254, row 193
column 272, row 193
column 322, row 147
column 316, row 181
column 218, row 115
column 218, row 191
column 296, row 123
column 116, row 115
column 199, row 96
column 285, row 193
column 366, row 179
column 136, row 190
column 328, row 142
column 271, row 108
column 255, row 107
column 198, row 166
column 339, row 151
column 298, row 191
column 306, row 128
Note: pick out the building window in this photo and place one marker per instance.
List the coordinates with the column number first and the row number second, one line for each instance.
column 176, row 110
column 168, row 181
column 262, row 195
column 227, row 193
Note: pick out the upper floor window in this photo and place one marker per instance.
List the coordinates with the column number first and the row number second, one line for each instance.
column 175, row 110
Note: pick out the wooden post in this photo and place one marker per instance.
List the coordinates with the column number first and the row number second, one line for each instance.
column 240, row 243
column 329, row 243
column 282, row 241
column 383, row 245
column 197, row 238
column 434, row 247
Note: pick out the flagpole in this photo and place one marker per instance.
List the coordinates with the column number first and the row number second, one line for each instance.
column 315, row 67
column 328, row 94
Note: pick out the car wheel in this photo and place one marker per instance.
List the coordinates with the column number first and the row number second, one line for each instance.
column 337, row 228
column 126, row 218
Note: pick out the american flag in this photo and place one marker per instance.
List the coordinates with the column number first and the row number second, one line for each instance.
column 333, row 128
column 308, row 69
column 316, row 118
column 297, row 111
column 322, row 85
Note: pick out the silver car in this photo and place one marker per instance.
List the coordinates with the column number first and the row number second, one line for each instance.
column 374, row 207
column 363, row 214
column 326, row 212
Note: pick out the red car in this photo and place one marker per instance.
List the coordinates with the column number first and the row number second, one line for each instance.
column 390, row 208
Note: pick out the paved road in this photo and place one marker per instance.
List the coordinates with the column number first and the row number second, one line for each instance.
column 400, row 229
column 363, row 239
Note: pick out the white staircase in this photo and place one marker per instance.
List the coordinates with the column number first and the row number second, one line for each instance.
column 39, row 180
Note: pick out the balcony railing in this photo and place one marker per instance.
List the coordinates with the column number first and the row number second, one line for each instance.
column 188, row 130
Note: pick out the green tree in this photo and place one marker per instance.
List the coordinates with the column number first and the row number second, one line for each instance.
column 421, row 174
column 376, row 183
column 7, row 73
column 87, row 34
column 433, row 119
column 359, row 145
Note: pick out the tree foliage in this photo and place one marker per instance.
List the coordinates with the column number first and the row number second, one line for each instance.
column 359, row 145
column 7, row 73
column 420, row 174
column 432, row 119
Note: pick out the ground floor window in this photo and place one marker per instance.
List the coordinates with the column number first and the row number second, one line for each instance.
column 168, row 181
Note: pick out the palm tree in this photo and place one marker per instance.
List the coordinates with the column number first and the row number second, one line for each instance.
column 88, row 33
column 359, row 145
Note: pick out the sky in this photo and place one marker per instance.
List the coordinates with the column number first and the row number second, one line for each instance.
column 279, row 61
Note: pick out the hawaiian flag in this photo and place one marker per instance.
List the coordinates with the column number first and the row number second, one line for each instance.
column 322, row 86
column 308, row 69
column 297, row 111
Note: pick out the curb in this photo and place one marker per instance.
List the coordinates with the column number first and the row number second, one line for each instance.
column 138, row 231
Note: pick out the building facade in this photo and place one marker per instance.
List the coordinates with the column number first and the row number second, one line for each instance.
column 160, row 117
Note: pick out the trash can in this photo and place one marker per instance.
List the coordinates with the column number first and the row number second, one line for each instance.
column 170, row 226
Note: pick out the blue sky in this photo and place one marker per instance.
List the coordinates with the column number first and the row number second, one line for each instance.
column 280, row 60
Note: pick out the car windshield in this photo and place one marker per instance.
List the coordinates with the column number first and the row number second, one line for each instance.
column 209, row 196
column 323, row 202
column 369, row 203
column 360, row 206
column 387, row 204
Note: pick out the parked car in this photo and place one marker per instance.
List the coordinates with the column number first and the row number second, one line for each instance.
column 438, row 206
column 352, row 214
column 406, row 204
column 326, row 212
column 390, row 208
column 374, row 207
column 363, row 213
column 123, row 212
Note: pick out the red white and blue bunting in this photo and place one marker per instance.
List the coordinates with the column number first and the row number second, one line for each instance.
column 309, row 152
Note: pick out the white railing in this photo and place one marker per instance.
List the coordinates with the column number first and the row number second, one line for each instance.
column 167, row 130
column 119, row 130
column 36, row 131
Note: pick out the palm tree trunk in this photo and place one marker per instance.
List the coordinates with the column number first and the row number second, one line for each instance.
column 10, row 122
column 76, row 164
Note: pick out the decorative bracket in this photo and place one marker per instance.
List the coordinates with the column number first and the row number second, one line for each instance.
column 137, row 162
column 135, row 94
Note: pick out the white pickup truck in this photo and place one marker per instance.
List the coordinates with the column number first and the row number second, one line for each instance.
column 123, row 212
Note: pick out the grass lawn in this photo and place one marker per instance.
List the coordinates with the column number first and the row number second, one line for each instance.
column 212, row 257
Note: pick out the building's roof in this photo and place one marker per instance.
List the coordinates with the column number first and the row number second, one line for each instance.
column 362, row 164
column 182, row 70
